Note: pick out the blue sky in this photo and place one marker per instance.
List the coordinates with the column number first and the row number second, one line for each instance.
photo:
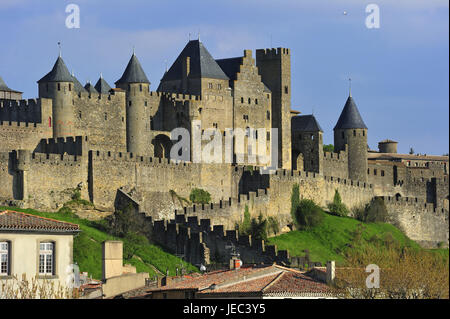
column 400, row 72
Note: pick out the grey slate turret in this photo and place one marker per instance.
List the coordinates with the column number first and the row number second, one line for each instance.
column 59, row 73
column 90, row 88
column 350, row 117
column 77, row 86
column 102, row 86
column 133, row 72
column 202, row 64
column 305, row 123
column 3, row 86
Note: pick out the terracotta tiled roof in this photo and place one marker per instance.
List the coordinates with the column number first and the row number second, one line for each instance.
column 271, row 280
column 296, row 283
column 12, row 221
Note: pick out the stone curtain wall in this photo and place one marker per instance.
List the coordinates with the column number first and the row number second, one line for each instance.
column 419, row 220
column 24, row 123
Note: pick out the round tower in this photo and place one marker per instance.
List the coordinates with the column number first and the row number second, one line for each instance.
column 58, row 85
column 137, row 87
column 387, row 146
column 350, row 134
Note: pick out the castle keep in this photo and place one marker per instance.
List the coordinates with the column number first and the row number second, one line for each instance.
column 114, row 145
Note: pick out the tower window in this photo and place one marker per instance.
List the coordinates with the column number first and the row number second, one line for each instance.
column 268, row 136
column 106, row 116
column 242, row 100
column 256, row 101
column 79, row 114
column 70, row 87
column 249, row 100
column 374, row 172
column 286, row 90
column 364, row 133
column 382, row 173
column 145, row 103
column 140, row 87
column 268, row 115
column 354, row 132
column 59, row 87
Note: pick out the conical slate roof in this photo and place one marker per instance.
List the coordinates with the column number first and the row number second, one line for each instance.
column 305, row 123
column 133, row 72
column 3, row 86
column 350, row 117
column 202, row 64
column 90, row 88
column 102, row 86
column 59, row 73
column 77, row 86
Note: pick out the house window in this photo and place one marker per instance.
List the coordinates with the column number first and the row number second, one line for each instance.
column 4, row 258
column 374, row 172
column 219, row 86
column 46, row 258
column 382, row 173
column 210, row 85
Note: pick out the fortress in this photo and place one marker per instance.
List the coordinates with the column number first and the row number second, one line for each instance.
column 113, row 144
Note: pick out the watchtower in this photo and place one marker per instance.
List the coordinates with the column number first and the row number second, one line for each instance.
column 137, row 87
column 58, row 85
column 350, row 130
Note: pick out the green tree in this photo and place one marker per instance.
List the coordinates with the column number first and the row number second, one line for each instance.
column 273, row 225
column 295, row 199
column 373, row 212
column 200, row 196
column 308, row 214
column 328, row 148
column 337, row 207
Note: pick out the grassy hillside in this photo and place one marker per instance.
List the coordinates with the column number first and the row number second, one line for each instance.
column 88, row 251
column 328, row 240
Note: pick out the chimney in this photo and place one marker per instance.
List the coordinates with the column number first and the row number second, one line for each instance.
column 235, row 263
column 331, row 272
column 112, row 252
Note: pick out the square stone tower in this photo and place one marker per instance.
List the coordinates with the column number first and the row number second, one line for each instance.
column 274, row 66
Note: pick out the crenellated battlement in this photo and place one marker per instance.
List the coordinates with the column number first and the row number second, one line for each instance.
column 338, row 157
column 272, row 52
column 194, row 234
column 19, row 103
column 72, row 145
